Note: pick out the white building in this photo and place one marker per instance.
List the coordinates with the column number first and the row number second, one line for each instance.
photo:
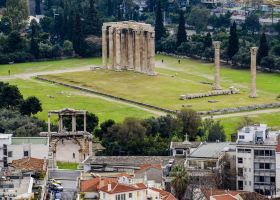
column 258, row 160
column 5, row 139
column 21, row 147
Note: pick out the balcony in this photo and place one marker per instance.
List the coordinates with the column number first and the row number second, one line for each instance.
column 265, row 172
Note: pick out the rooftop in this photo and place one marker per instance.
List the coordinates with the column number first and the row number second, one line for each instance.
column 121, row 188
column 93, row 185
column 5, row 136
column 30, row 140
column 184, row 145
column 212, row 150
column 164, row 194
column 29, row 163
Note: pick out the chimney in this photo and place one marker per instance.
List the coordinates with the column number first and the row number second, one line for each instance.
column 109, row 187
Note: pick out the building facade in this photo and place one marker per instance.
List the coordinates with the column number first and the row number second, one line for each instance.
column 256, row 160
column 5, row 139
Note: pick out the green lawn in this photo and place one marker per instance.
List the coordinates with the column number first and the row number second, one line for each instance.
column 55, row 97
column 67, row 165
column 32, row 67
column 174, row 80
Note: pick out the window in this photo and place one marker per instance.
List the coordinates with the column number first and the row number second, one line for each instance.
column 240, row 172
column 240, row 160
column 272, row 179
column 120, row 197
column 73, row 155
column 25, row 153
column 240, row 185
column 130, row 195
column 10, row 154
column 241, row 137
column 179, row 151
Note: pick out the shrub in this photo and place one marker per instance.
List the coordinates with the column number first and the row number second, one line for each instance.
column 68, row 48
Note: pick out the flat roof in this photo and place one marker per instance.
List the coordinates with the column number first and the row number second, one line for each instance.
column 29, row 140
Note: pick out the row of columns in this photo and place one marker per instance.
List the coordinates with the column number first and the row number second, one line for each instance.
column 217, row 76
column 129, row 49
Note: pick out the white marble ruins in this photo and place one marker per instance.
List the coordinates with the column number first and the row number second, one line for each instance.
column 129, row 45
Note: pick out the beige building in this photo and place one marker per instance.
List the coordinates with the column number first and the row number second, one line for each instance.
column 119, row 191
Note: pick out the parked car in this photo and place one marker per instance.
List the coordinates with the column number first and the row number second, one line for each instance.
column 55, row 187
column 54, row 181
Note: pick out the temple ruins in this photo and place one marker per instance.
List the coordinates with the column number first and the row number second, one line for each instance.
column 129, row 46
column 253, row 89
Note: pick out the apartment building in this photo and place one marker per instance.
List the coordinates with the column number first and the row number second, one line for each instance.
column 5, row 139
column 258, row 160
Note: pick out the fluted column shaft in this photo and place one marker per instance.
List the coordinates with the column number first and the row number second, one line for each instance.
column 217, row 46
column 118, row 49
column 137, row 51
column 253, row 89
column 104, row 47
column 111, row 49
column 130, row 51
column 152, row 54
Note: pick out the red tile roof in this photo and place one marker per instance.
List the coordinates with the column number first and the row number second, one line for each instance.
column 120, row 188
column 148, row 166
column 93, row 185
column 164, row 194
column 278, row 144
column 224, row 197
column 29, row 163
column 213, row 192
column 125, row 175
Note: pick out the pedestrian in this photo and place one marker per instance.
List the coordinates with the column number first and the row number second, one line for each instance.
column 179, row 61
column 162, row 61
column 9, row 72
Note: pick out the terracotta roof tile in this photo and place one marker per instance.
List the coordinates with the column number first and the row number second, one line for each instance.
column 29, row 163
column 208, row 192
column 120, row 188
column 93, row 185
column 164, row 194
column 148, row 166
column 224, row 197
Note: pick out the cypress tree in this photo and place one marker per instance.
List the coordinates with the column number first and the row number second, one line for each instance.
column 181, row 34
column 233, row 44
column 38, row 7
column 109, row 8
column 207, row 41
column 159, row 27
column 78, row 38
column 92, row 25
column 263, row 49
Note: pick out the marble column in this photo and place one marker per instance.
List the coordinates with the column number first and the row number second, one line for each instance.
column 130, row 50
column 49, row 123
column 111, row 49
column 118, row 50
column 74, row 123
column 217, row 46
column 144, row 53
column 152, row 54
column 85, row 121
column 137, row 51
column 123, row 50
column 253, row 89
column 104, row 47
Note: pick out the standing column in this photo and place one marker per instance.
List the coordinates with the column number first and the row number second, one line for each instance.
column 130, row 50
column 152, row 54
column 111, row 48
column 144, row 53
column 85, row 121
column 74, row 123
column 104, row 47
column 137, row 51
column 118, row 50
column 253, row 91
column 217, row 46
column 122, row 50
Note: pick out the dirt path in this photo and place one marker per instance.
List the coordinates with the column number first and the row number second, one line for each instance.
column 27, row 76
column 243, row 114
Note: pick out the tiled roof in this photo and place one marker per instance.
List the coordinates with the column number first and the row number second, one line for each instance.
column 29, row 163
column 164, row 194
column 148, row 166
column 224, row 197
column 93, row 185
column 184, row 145
column 214, row 192
column 121, row 188
column 124, row 175
column 278, row 144
column 252, row 195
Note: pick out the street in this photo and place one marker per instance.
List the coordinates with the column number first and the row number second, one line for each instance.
column 69, row 181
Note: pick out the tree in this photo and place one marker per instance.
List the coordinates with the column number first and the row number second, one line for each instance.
column 92, row 25
column 263, row 49
column 17, row 11
column 216, row 132
column 277, row 28
column 179, row 181
column 208, row 41
column 78, row 37
column 104, row 126
column 109, row 8
column 10, row 97
column 30, row 106
column 68, row 48
column 38, row 7
column 190, row 121
column 5, row 25
column 14, row 42
column 159, row 27
column 199, row 17
column 268, row 62
column 252, row 23
column 233, row 43
column 181, row 33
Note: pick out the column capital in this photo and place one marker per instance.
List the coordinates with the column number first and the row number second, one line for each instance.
column 217, row 44
column 254, row 50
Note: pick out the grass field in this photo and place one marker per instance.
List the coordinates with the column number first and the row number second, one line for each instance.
column 174, row 80
column 55, row 97
column 32, row 67
column 67, row 165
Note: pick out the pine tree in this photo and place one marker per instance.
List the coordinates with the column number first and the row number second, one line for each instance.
column 159, row 27
column 263, row 49
column 233, row 43
column 181, row 34
column 92, row 25
column 38, row 7
column 207, row 41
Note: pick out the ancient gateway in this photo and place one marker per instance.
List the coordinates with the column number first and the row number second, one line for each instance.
column 129, row 46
